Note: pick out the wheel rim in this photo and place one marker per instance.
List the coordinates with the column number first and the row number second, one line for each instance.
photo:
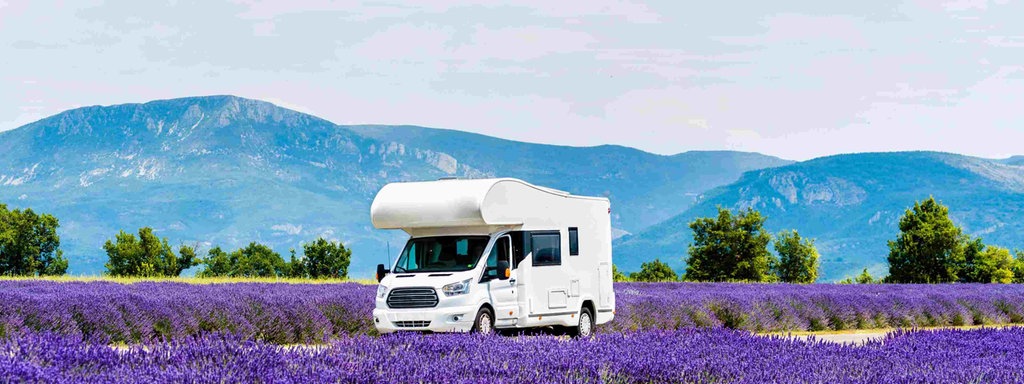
column 586, row 326
column 484, row 323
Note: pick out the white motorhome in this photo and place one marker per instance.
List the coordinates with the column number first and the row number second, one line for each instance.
column 489, row 254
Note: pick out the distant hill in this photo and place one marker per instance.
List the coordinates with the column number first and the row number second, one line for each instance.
column 852, row 205
column 226, row 170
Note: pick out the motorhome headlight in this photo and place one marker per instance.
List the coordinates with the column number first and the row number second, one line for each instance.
column 455, row 289
column 381, row 290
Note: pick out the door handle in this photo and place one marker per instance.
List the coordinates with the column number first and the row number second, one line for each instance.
column 512, row 281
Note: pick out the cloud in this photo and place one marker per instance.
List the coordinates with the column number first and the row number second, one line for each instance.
column 287, row 228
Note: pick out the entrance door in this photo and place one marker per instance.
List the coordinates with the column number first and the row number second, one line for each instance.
column 502, row 290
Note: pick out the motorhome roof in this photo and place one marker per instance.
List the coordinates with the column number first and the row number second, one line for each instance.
column 456, row 203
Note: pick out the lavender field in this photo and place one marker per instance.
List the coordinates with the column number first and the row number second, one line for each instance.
column 667, row 332
column 691, row 355
column 317, row 313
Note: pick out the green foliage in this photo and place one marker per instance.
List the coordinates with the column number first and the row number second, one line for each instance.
column 325, row 259
column 798, row 258
column 146, row 256
column 296, row 267
column 1018, row 266
column 730, row 248
column 217, row 264
column 654, row 271
column 186, row 259
column 257, row 260
column 254, row 260
column 864, row 277
column 29, row 244
column 987, row 264
column 618, row 276
column 929, row 248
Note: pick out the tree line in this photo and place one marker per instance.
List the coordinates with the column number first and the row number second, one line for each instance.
column 733, row 246
column 30, row 246
column 930, row 248
column 150, row 256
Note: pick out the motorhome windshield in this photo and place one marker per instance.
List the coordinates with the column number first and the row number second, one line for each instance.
column 441, row 254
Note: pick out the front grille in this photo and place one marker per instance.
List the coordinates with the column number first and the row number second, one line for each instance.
column 413, row 324
column 422, row 297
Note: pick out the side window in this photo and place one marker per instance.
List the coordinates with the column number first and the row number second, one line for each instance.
column 574, row 241
column 499, row 252
column 547, row 248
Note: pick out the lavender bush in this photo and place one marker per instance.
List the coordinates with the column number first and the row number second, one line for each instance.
column 693, row 355
column 813, row 307
column 146, row 312
column 312, row 313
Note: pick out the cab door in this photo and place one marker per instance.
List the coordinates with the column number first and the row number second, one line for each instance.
column 502, row 289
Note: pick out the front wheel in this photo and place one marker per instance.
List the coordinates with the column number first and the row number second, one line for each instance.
column 484, row 323
column 585, row 327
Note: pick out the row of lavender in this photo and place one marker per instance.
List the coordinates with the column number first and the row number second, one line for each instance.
column 305, row 313
column 694, row 355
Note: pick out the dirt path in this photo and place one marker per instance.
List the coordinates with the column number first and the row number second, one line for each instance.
column 859, row 337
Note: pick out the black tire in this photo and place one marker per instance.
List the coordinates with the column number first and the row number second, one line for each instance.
column 585, row 326
column 484, row 321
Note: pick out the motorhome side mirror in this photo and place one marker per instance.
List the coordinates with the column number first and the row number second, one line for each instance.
column 504, row 272
column 381, row 272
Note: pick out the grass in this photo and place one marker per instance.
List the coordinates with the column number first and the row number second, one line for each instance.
column 188, row 280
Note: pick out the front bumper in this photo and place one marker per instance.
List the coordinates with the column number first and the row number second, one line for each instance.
column 438, row 319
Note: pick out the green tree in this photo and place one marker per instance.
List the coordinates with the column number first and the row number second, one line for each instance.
column 618, row 276
column 729, row 247
column 654, row 271
column 186, row 259
column 864, row 277
column 253, row 260
column 296, row 266
column 29, row 244
column 1018, row 266
column 987, row 264
column 929, row 248
column 146, row 256
column 216, row 264
column 258, row 260
column 326, row 259
column 798, row 258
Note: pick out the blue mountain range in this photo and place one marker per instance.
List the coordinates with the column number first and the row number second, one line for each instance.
column 224, row 170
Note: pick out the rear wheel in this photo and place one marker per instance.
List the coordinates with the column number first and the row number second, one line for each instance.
column 585, row 327
column 484, row 323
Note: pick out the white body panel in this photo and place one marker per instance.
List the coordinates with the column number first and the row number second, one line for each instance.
column 536, row 295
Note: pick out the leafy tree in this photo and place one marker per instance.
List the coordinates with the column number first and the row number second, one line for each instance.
column 146, row 256
column 729, row 247
column 618, row 276
column 258, row 260
column 864, row 277
column 798, row 258
column 1018, row 266
column 324, row 258
column 254, row 260
column 186, row 259
column 296, row 266
column 217, row 264
column 929, row 248
column 654, row 271
column 987, row 264
column 29, row 244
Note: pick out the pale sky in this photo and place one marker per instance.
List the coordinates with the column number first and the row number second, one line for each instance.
column 791, row 79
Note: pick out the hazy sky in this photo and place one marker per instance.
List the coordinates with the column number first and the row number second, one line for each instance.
column 791, row 79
